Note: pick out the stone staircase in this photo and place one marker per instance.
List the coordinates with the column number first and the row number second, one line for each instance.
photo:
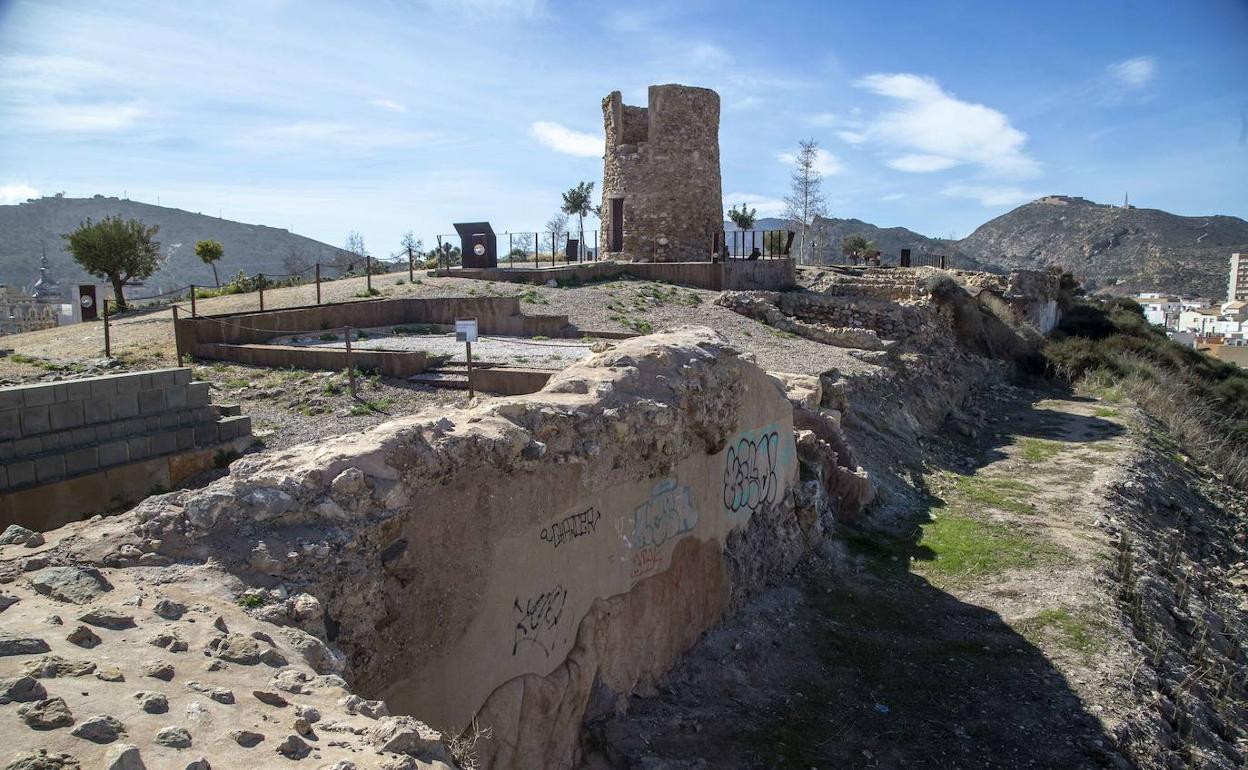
column 452, row 375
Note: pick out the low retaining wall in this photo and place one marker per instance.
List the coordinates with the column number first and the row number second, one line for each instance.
column 771, row 274
column 75, row 448
column 495, row 315
column 391, row 363
column 506, row 381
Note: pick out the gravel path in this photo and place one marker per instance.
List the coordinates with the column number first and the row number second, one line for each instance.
column 514, row 351
column 145, row 340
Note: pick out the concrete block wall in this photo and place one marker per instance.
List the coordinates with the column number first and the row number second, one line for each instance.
column 50, row 432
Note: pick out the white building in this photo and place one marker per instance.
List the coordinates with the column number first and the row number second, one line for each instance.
column 1159, row 309
column 1237, row 287
column 1199, row 321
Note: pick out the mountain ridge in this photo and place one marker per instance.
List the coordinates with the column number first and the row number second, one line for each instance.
column 28, row 229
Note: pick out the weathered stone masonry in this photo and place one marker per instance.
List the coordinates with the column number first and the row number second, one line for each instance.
column 662, row 161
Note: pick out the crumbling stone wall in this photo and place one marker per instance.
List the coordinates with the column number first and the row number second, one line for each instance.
column 524, row 561
column 663, row 160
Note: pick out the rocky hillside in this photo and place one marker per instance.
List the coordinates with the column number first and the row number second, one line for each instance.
column 1121, row 250
column 28, row 227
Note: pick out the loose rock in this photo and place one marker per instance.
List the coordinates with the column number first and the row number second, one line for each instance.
column 174, row 737
column 76, row 585
column 123, row 756
column 100, row 728
column 152, row 702
column 294, row 747
column 110, row 619
column 270, row 698
column 169, row 609
column 46, row 714
column 246, row 738
column 83, row 637
column 219, row 694
column 42, row 760
column 23, row 689
column 157, row 670
column 20, row 645
column 111, row 674
column 406, row 735
column 52, row 666
column 235, row 648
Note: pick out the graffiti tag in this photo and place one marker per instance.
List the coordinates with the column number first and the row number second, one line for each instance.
column 571, row 527
column 669, row 513
column 538, row 617
column 645, row 561
column 750, row 479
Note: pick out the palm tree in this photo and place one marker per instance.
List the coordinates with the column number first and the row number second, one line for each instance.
column 576, row 202
column 744, row 217
column 857, row 247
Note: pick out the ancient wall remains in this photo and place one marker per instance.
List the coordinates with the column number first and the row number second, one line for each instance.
column 81, row 447
column 505, row 561
column 662, row 160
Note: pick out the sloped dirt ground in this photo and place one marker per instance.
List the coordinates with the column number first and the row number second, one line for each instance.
column 989, row 629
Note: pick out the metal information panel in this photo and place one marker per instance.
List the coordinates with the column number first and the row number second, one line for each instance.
column 465, row 330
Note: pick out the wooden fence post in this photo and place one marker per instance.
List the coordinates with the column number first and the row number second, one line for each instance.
column 318, row 283
column 192, row 300
column 368, row 272
column 108, row 346
column 350, row 368
column 177, row 339
column 260, row 283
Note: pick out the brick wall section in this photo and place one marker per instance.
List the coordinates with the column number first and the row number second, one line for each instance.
column 400, row 364
column 50, row 432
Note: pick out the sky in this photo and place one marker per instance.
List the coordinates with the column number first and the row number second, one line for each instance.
column 392, row 115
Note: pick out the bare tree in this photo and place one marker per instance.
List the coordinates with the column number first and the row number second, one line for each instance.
column 805, row 199
column 555, row 229
column 294, row 262
column 520, row 245
column 354, row 245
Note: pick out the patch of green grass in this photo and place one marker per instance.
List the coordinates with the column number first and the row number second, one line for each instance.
column 534, row 298
column 235, row 382
column 956, row 548
column 371, row 406
column 1038, row 450
column 1079, row 631
column 327, row 337
column 1105, row 411
column 331, row 388
column 781, row 333
column 986, row 492
column 539, row 337
column 250, row 601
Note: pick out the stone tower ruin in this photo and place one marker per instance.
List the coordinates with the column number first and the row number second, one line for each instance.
column 662, row 198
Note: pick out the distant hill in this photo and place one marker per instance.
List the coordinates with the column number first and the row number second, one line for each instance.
column 830, row 231
column 27, row 227
column 1115, row 249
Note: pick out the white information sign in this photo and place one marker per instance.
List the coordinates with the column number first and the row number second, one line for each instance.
column 466, row 330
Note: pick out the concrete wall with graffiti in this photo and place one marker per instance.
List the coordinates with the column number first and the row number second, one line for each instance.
column 598, row 543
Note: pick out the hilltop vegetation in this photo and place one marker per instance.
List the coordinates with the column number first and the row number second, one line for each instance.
column 29, row 228
column 1203, row 401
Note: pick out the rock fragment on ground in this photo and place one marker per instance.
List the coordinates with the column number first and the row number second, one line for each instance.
column 75, row 585
column 100, row 728
column 46, row 714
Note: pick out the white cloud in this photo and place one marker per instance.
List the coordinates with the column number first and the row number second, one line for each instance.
column 920, row 164
column 16, row 193
column 892, row 197
column 931, row 129
column 1134, row 73
column 766, row 207
column 852, row 137
column 825, row 120
column 310, row 134
column 708, row 55
column 565, row 140
column 88, row 118
column 484, row 9
column 389, row 104
column 825, row 162
column 990, row 195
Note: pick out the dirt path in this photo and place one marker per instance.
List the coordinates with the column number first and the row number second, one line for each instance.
column 989, row 638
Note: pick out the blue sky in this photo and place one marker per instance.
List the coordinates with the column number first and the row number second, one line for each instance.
column 387, row 116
